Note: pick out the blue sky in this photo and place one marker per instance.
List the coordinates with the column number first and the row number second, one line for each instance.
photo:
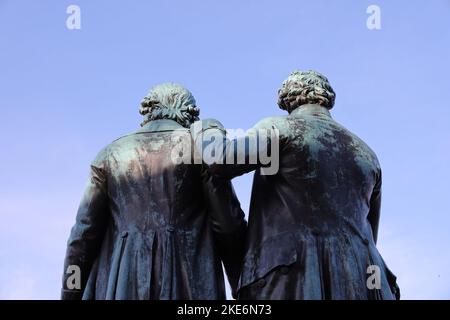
column 64, row 94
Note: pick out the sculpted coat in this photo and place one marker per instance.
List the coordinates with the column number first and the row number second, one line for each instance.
column 148, row 228
column 313, row 225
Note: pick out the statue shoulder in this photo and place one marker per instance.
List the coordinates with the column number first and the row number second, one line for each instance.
column 274, row 122
column 364, row 149
column 111, row 148
column 101, row 159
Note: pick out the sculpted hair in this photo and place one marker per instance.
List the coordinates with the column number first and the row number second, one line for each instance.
column 169, row 101
column 305, row 87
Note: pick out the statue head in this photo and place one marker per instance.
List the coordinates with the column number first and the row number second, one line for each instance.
column 169, row 101
column 305, row 87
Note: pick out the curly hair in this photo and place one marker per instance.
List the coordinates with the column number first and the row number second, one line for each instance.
column 169, row 101
column 304, row 87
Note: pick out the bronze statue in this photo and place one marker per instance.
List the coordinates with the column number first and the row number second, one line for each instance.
column 149, row 227
column 313, row 225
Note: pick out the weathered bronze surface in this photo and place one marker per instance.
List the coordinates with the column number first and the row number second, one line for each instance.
column 313, row 225
column 148, row 228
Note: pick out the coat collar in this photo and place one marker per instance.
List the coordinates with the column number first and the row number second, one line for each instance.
column 311, row 109
column 161, row 125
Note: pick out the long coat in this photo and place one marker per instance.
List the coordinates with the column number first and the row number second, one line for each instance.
column 151, row 228
column 313, row 225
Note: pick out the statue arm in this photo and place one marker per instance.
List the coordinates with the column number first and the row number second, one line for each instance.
column 375, row 207
column 228, row 224
column 225, row 158
column 87, row 233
